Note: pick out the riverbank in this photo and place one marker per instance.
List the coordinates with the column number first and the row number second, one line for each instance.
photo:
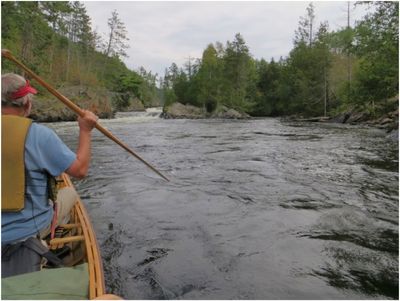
column 387, row 121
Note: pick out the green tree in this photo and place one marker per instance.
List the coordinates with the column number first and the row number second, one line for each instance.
column 377, row 45
column 54, row 12
column 309, row 64
column 170, row 76
column 208, row 79
column 238, row 72
column 268, row 79
column 117, row 37
column 148, row 91
column 304, row 33
column 25, row 32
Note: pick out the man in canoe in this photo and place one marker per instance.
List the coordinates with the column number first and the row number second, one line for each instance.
column 32, row 155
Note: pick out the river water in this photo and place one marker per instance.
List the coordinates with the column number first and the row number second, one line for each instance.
column 255, row 209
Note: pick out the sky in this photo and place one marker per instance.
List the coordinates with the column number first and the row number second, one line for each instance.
column 162, row 32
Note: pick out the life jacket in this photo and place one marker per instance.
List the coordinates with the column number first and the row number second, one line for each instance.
column 24, row 256
column 14, row 130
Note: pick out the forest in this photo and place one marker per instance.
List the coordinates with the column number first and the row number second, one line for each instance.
column 325, row 73
column 55, row 39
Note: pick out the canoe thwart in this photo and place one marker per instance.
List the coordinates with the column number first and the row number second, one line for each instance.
column 70, row 226
column 67, row 239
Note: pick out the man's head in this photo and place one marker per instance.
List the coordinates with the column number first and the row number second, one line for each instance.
column 16, row 95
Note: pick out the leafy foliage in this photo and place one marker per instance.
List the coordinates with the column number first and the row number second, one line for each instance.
column 377, row 46
column 55, row 40
column 324, row 72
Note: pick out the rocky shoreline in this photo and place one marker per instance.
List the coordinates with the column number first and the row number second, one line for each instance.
column 388, row 122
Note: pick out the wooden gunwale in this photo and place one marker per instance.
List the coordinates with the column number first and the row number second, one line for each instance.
column 96, row 275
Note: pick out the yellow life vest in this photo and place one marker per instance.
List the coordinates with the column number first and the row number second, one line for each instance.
column 14, row 130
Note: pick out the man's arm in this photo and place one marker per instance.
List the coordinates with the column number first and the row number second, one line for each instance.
column 79, row 168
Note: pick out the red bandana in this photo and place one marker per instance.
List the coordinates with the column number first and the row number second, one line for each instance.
column 21, row 92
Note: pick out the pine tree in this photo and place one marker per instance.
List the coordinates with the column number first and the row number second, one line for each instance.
column 208, row 79
column 117, row 37
column 237, row 72
column 304, row 33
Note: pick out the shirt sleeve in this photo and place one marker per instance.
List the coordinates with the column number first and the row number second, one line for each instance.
column 55, row 156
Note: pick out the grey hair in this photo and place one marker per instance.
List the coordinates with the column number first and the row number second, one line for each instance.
column 10, row 83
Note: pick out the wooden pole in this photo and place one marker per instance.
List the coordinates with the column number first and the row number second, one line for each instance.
column 8, row 55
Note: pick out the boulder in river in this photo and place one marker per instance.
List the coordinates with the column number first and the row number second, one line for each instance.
column 227, row 113
column 181, row 111
column 135, row 105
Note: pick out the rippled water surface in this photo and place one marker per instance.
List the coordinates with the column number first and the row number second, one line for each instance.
column 256, row 209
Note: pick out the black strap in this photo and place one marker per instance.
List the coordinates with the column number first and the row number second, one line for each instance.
column 35, row 245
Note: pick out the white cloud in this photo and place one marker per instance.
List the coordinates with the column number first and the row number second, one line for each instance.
column 164, row 32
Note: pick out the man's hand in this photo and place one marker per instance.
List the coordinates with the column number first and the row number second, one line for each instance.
column 79, row 168
column 88, row 121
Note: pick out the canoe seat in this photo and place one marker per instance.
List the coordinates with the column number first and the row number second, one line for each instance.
column 56, row 284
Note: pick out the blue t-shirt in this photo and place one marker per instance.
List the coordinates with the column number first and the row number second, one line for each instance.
column 44, row 152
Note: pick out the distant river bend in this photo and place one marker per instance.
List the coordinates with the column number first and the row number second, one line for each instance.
column 255, row 209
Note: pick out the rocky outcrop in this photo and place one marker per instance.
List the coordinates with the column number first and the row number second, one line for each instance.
column 388, row 122
column 227, row 113
column 47, row 108
column 181, row 111
column 135, row 106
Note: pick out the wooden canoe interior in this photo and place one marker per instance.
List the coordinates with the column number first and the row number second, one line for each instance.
column 79, row 236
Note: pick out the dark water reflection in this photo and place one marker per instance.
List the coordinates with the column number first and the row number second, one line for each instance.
column 255, row 210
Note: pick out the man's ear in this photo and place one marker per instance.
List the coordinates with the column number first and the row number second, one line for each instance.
column 27, row 108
